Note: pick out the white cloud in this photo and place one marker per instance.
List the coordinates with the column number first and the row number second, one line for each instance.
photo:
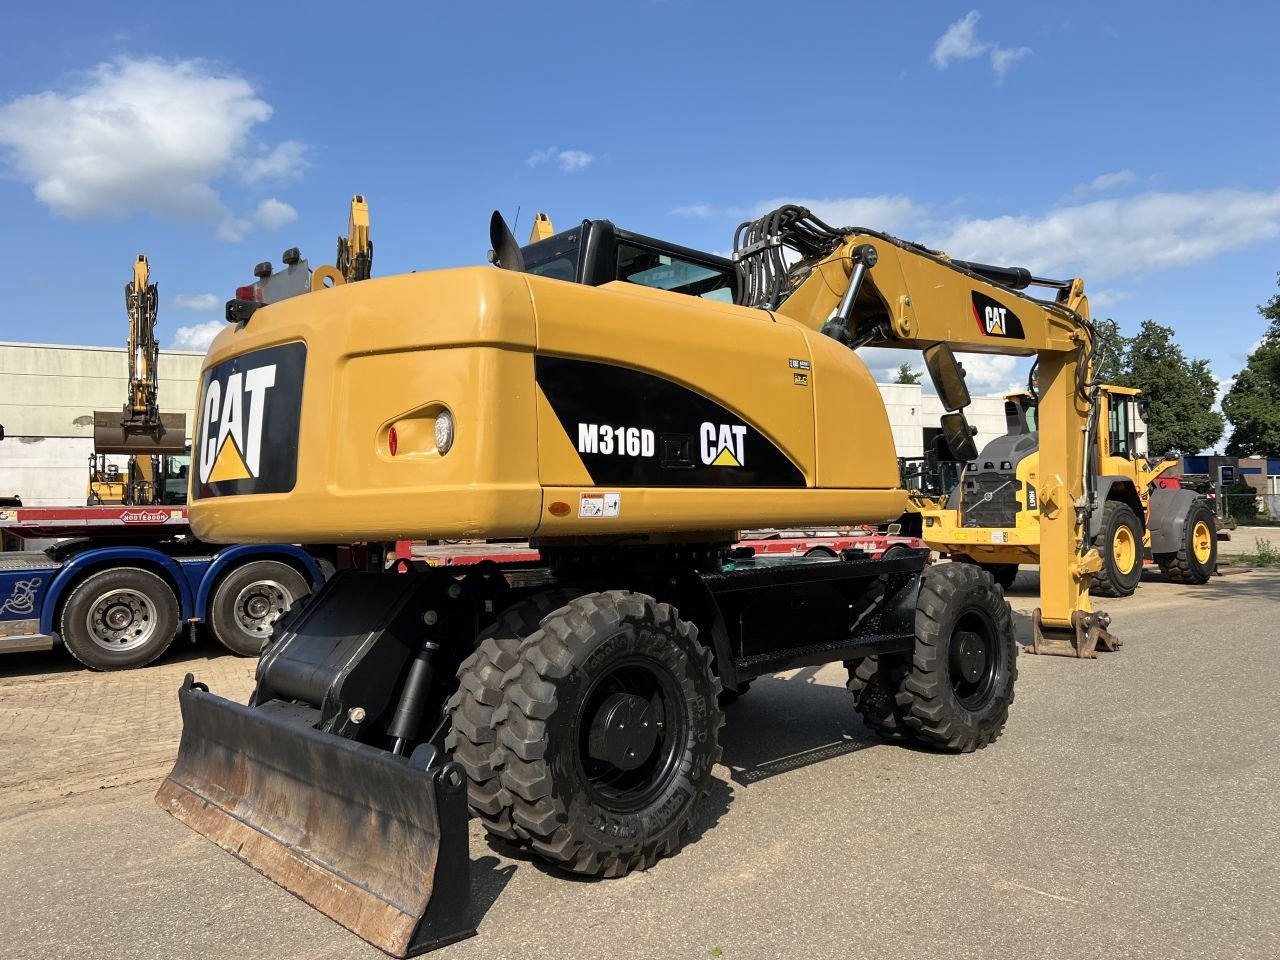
column 1104, row 182
column 701, row 210
column 137, row 135
column 197, row 337
column 1105, row 239
column 880, row 213
column 1108, row 298
column 197, row 301
column 570, row 161
column 270, row 214
column 960, row 42
column 286, row 159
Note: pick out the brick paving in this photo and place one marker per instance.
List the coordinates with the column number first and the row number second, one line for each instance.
column 66, row 731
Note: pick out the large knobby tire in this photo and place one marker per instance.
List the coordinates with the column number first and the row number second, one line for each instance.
column 119, row 618
column 957, row 694
column 1119, row 543
column 874, row 682
column 1197, row 557
column 472, row 739
column 590, row 795
column 249, row 600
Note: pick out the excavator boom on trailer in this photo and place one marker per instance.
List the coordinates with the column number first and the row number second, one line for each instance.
column 626, row 404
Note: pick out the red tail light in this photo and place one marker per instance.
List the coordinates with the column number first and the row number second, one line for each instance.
column 393, row 441
column 252, row 292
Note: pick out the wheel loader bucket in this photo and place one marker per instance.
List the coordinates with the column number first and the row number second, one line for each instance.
column 376, row 841
column 112, row 435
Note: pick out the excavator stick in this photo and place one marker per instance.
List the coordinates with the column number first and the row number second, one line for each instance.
column 372, row 838
column 113, row 434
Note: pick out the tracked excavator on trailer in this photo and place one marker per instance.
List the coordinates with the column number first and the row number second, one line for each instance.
column 626, row 404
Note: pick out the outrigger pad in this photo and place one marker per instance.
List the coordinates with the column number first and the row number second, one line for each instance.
column 376, row 841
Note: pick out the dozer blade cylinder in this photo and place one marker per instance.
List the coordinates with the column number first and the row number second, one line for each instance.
column 377, row 842
column 111, row 434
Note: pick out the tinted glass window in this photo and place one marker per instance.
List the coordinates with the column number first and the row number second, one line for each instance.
column 555, row 257
column 652, row 268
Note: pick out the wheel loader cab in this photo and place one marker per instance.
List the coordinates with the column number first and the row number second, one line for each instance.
column 596, row 252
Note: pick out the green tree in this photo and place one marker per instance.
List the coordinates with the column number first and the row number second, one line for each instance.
column 1180, row 392
column 908, row 374
column 1109, row 350
column 1253, row 402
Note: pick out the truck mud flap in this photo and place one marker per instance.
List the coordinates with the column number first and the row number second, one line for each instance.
column 376, row 841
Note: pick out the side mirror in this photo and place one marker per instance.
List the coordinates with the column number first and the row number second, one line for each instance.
column 947, row 376
column 959, row 436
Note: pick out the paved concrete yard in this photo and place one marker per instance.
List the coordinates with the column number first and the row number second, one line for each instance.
column 1130, row 810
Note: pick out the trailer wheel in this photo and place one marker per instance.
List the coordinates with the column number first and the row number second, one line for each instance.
column 1197, row 558
column 1120, row 544
column 874, row 682
column 957, row 694
column 119, row 618
column 611, row 727
column 248, row 602
column 472, row 739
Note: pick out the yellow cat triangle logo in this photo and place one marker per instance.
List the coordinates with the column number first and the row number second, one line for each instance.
column 229, row 465
column 725, row 459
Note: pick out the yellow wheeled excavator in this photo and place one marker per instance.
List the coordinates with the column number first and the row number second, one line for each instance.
column 152, row 440
column 627, row 404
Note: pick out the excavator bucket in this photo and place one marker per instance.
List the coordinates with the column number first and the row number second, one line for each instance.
column 374, row 840
column 112, row 434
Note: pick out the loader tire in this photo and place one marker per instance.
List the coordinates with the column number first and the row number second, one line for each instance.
column 957, row 693
column 874, row 683
column 119, row 618
column 590, row 795
column 472, row 739
column 249, row 601
column 1119, row 543
column 1197, row 557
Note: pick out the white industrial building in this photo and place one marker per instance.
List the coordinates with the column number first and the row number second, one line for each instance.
column 48, row 393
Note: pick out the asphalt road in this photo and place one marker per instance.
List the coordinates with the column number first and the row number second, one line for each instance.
column 1130, row 810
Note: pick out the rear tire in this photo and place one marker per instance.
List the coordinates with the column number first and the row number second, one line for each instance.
column 1119, row 543
column 589, row 794
column 874, row 682
column 957, row 694
column 1197, row 558
column 118, row 619
column 472, row 737
column 249, row 601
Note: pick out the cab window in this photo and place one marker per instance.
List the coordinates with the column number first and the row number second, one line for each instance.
column 653, row 268
column 1118, row 425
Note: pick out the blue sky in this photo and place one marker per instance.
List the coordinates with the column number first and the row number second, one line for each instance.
column 1134, row 143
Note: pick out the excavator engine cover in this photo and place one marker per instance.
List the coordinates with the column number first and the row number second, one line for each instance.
column 112, row 434
column 373, row 839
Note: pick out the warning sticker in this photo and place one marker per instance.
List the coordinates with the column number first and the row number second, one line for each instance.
column 599, row 504
column 999, row 536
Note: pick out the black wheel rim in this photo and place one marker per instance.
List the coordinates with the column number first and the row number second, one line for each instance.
column 644, row 778
column 974, row 661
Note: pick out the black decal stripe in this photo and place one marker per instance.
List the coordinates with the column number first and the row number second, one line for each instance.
column 583, row 391
column 1012, row 325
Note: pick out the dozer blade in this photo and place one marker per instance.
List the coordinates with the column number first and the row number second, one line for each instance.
column 112, row 435
column 377, row 842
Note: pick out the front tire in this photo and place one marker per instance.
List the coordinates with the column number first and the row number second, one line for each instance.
column 957, row 694
column 119, row 619
column 1119, row 543
column 1197, row 557
column 249, row 600
column 610, row 727
column 874, row 682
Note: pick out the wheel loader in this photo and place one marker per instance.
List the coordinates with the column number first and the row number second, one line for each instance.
column 992, row 518
column 627, row 405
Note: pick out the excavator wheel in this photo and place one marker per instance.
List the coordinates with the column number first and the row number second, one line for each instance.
column 1197, row 558
column 1119, row 543
column 874, row 681
column 472, row 739
column 610, row 728
column 957, row 694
